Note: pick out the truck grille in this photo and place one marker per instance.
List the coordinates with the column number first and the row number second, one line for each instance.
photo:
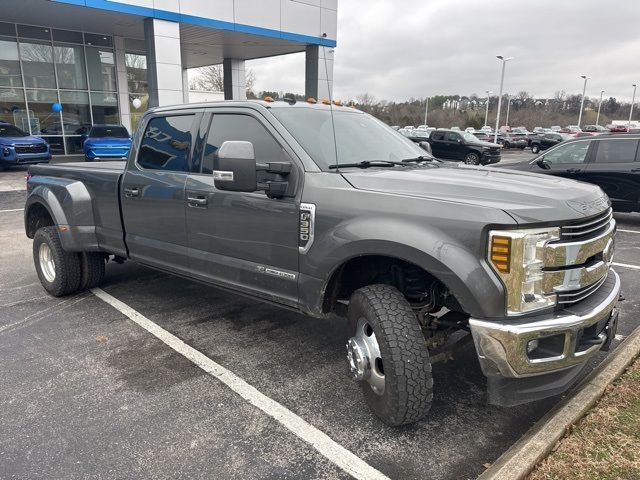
column 588, row 227
column 37, row 148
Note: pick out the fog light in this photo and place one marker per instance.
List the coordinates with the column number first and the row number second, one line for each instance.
column 532, row 346
column 6, row 151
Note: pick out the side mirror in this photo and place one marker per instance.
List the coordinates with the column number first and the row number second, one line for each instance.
column 542, row 163
column 425, row 146
column 234, row 167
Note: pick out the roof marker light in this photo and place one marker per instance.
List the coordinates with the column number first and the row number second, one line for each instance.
column 326, row 101
column 312, row 100
column 268, row 99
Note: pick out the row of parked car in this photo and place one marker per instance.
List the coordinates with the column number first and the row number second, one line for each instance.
column 101, row 142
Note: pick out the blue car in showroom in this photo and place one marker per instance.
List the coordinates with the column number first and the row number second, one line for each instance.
column 109, row 142
column 20, row 148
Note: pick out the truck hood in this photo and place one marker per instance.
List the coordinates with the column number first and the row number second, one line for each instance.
column 28, row 140
column 527, row 197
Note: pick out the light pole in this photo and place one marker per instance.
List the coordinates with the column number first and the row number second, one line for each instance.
column 426, row 110
column 504, row 63
column 506, row 120
column 584, row 89
column 486, row 113
column 599, row 105
column 633, row 99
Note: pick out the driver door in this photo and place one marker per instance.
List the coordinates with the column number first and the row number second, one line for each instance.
column 567, row 160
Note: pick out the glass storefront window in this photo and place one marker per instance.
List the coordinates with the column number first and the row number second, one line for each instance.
column 44, row 120
column 12, row 108
column 37, row 63
column 76, row 118
column 137, row 113
column 137, row 72
column 105, row 108
column 102, row 69
column 9, row 63
column 70, row 66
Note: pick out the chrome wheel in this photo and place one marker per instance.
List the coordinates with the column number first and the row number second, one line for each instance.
column 47, row 265
column 365, row 359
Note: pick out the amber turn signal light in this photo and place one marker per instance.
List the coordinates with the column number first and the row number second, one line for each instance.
column 501, row 253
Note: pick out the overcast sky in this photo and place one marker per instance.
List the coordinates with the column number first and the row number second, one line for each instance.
column 397, row 49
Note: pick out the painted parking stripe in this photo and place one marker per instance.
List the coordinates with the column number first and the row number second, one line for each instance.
column 627, row 231
column 626, row 265
column 336, row 453
column 12, row 210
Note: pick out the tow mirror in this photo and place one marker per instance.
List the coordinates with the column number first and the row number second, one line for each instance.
column 542, row 163
column 234, row 167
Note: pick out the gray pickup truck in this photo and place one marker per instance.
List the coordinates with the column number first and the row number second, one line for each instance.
column 326, row 211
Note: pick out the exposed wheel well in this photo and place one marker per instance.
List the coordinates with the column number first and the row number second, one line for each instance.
column 417, row 285
column 37, row 217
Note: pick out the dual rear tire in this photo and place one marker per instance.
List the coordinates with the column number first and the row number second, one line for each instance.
column 61, row 272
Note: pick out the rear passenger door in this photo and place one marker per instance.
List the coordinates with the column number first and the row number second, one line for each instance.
column 437, row 145
column 244, row 240
column 152, row 192
column 616, row 169
column 454, row 145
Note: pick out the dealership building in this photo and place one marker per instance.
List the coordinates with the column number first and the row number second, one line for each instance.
column 107, row 61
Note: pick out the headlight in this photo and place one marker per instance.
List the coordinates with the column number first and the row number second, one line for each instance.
column 517, row 256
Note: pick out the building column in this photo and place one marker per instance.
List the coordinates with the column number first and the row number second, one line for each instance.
column 123, row 82
column 164, row 66
column 318, row 79
column 234, row 80
column 185, row 85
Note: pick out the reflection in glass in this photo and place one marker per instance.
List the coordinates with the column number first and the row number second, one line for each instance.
column 76, row 118
column 9, row 63
column 137, row 72
column 43, row 120
column 70, row 66
column 105, row 108
column 37, row 63
column 137, row 113
column 12, row 108
column 101, row 68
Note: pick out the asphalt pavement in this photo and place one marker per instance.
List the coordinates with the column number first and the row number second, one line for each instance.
column 88, row 393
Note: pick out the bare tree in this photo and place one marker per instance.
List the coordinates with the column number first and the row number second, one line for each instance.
column 366, row 99
column 211, row 79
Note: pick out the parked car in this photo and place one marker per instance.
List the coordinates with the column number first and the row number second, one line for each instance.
column 612, row 162
column 487, row 129
column 457, row 129
column 555, row 128
column 595, row 129
column 422, row 127
column 107, row 142
column 20, row 148
column 420, row 133
column 508, row 140
column 547, row 140
column 470, row 130
column 618, row 128
column 484, row 136
column 463, row 147
column 250, row 199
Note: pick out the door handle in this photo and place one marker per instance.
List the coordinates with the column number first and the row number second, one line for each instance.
column 131, row 192
column 198, row 201
column 573, row 170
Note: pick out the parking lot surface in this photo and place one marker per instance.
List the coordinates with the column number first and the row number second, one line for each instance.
column 87, row 392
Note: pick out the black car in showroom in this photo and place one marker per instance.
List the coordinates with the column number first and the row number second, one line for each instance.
column 547, row 140
column 464, row 147
column 612, row 162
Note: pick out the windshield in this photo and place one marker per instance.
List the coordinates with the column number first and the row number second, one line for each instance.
column 359, row 136
column 115, row 131
column 11, row 131
column 470, row 137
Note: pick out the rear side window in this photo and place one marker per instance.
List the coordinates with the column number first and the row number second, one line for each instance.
column 226, row 127
column 437, row 136
column 452, row 137
column 616, row 151
column 166, row 143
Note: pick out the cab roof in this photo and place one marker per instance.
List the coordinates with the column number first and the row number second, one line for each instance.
column 257, row 103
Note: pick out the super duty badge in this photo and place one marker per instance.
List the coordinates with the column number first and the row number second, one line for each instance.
column 307, row 226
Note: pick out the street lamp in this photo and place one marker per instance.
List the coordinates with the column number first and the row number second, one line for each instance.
column 504, row 63
column 584, row 89
column 599, row 105
column 506, row 120
column 633, row 99
column 486, row 113
column 426, row 111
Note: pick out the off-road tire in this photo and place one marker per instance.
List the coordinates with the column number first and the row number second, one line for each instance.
column 535, row 149
column 92, row 266
column 408, row 388
column 472, row 159
column 67, row 264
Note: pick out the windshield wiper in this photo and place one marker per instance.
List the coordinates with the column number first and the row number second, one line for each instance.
column 421, row 158
column 368, row 163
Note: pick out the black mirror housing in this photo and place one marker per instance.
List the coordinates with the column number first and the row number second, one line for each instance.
column 234, row 167
column 543, row 164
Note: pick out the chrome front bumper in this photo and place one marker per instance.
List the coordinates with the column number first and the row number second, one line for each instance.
column 502, row 346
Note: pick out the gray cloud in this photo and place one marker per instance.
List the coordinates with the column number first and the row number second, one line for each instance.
column 401, row 49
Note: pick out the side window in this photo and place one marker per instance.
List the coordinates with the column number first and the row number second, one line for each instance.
column 452, row 137
column 437, row 136
column 616, row 151
column 569, row 153
column 166, row 143
column 226, row 126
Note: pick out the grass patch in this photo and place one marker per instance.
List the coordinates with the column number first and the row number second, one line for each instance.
column 605, row 443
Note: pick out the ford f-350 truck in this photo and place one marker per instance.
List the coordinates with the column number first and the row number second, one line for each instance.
column 325, row 210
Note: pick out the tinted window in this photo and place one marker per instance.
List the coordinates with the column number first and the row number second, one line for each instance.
column 119, row 132
column 226, row 127
column 437, row 136
column 452, row 137
column 616, row 151
column 166, row 143
column 11, row 131
column 569, row 153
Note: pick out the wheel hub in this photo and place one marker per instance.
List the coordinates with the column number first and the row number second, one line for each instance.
column 365, row 360
column 47, row 264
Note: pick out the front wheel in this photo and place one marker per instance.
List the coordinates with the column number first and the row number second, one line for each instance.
column 472, row 159
column 388, row 355
column 535, row 149
column 506, row 145
column 59, row 271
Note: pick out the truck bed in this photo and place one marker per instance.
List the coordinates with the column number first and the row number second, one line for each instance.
column 102, row 181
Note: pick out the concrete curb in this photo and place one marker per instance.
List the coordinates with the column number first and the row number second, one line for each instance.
column 535, row 445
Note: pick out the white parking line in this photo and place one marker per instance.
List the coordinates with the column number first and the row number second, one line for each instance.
column 333, row 451
column 627, row 231
column 12, row 210
column 626, row 265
